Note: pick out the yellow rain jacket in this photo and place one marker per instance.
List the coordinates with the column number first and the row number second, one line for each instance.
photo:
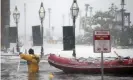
column 32, row 61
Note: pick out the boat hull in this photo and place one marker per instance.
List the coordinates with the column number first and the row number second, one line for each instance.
column 90, row 69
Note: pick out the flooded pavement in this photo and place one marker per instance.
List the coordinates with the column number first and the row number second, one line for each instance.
column 9, row 72
column 9, row 65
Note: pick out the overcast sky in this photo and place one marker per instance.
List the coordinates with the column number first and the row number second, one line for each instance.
column 58, row 9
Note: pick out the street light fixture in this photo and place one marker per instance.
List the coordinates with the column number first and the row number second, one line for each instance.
column 16, row 16
column 42, row 15
column 74, row 12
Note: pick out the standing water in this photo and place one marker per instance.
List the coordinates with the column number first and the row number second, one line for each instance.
column 9, row 65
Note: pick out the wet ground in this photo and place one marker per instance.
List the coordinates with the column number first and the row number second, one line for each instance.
column 9, row 72
column 9, row 65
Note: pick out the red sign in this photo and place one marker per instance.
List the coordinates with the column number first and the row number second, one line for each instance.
column 102, row 41
column 102, row 37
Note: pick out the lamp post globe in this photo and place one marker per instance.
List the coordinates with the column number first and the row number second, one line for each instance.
column 41, row 12
column 74, row 9
column 16, row 16
column 42, row 16
column 74, row 13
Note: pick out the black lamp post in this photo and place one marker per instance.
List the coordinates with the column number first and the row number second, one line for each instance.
column 123, row 20
column 74, row 12
column 42, row 15
column 16, row 16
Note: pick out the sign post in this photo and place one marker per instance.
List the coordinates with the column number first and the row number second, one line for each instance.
column 102, row 45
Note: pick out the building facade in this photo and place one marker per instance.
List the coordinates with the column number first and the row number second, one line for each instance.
column 5, row 23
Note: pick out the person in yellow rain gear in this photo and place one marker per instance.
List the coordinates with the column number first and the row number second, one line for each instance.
column 51, row 76
column 32, row 61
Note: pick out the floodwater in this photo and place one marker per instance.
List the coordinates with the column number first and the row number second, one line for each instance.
column 9, row 72
column 9, row 65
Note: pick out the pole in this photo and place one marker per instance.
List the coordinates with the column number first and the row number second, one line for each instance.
column 86, row 5
column 91, row 17
column 42, row 49
column 74, row 52
column 25, row 25
column 42, row 30
column 102, row 67
column 122, row 15
column 90, row 12
column 69, row 18
column 17, row 45
column 86, row 9
column 79, row 21
column 53, row 32
column 49, row 9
